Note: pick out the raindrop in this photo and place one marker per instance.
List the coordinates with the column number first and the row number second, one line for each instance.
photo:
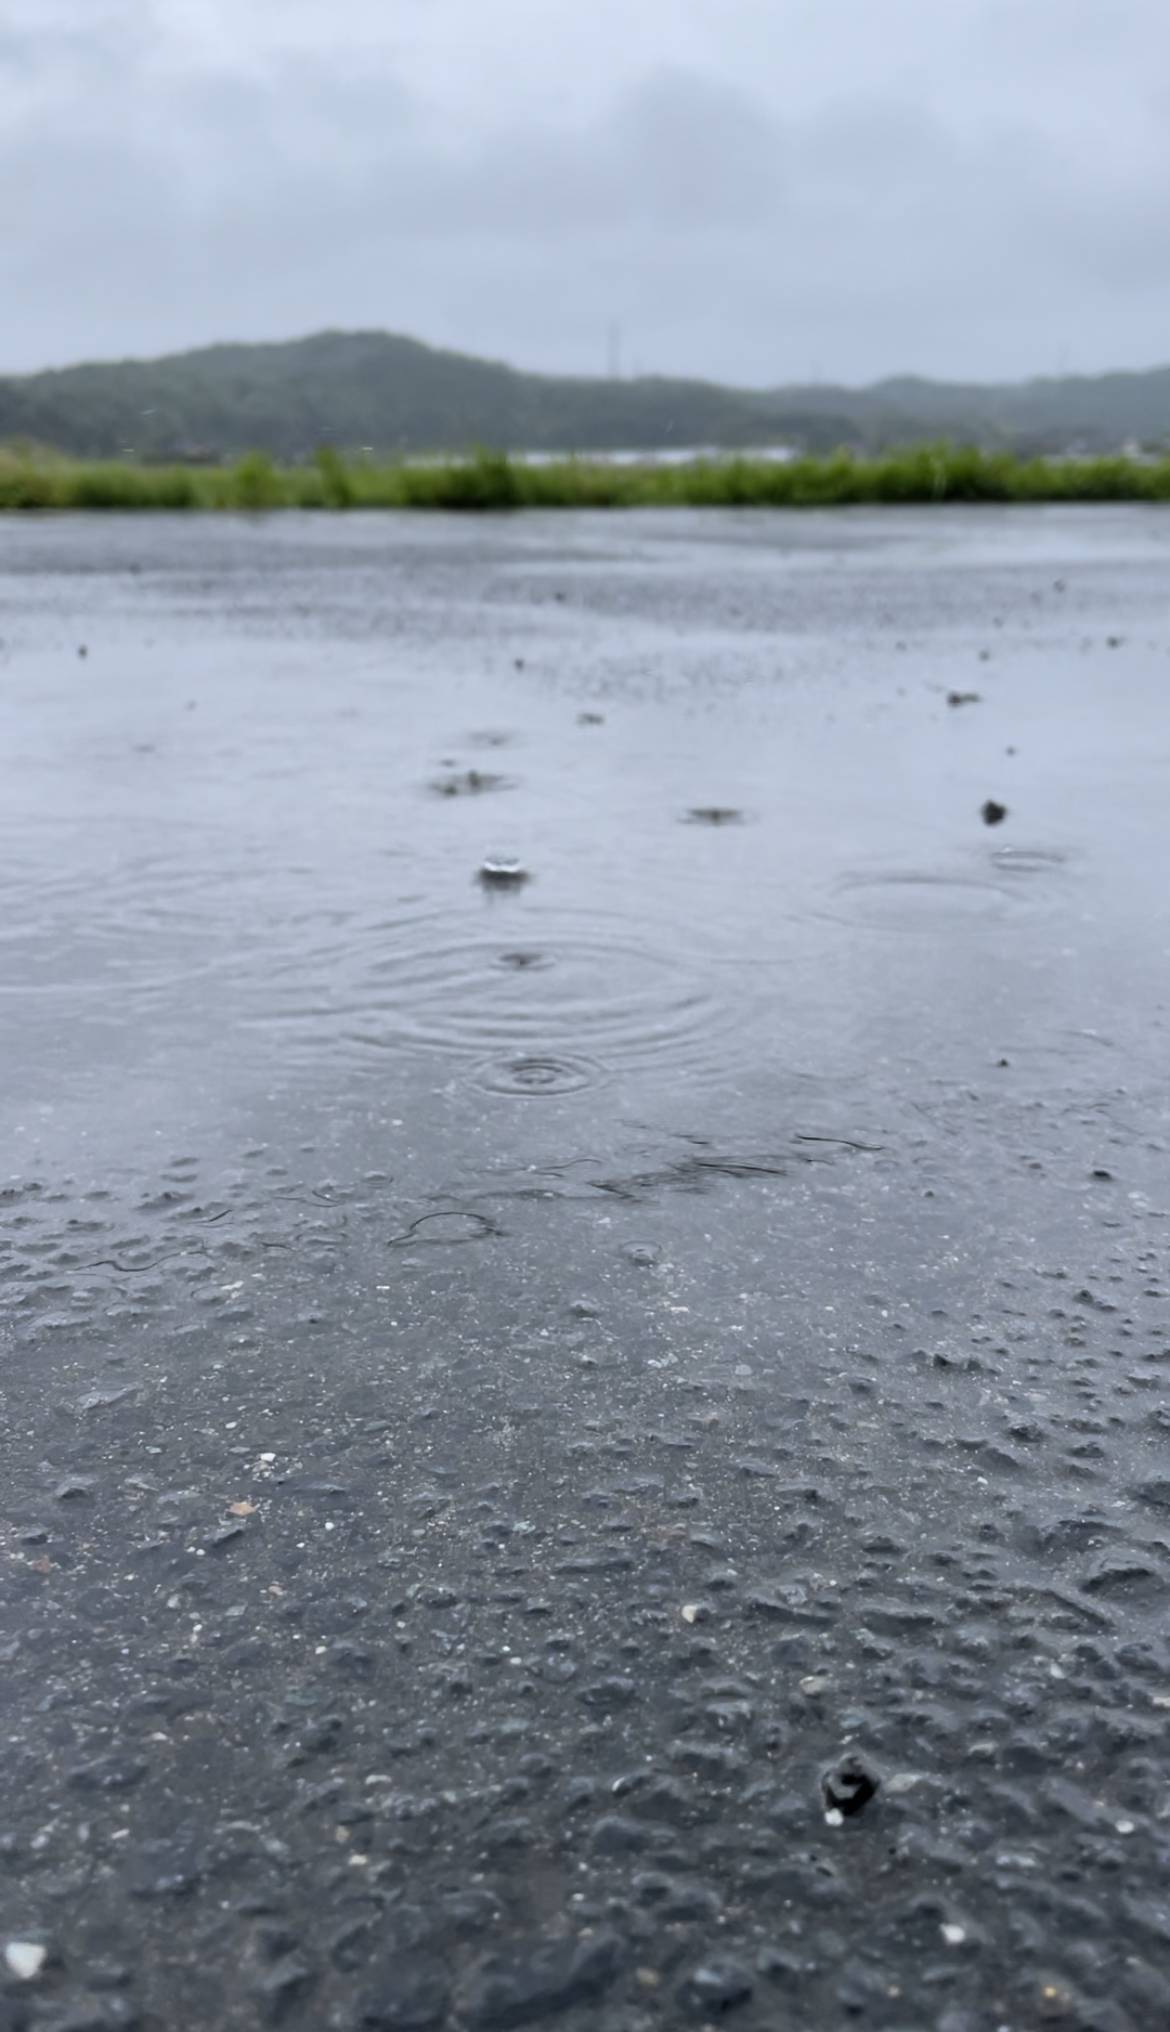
column 714, row 815
column 537, row 1074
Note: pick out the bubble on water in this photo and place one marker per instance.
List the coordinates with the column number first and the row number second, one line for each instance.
column 502, row 871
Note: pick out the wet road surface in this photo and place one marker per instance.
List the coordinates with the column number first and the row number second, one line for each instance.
column 588, row 1451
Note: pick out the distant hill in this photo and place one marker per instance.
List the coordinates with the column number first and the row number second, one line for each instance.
column 355, row 389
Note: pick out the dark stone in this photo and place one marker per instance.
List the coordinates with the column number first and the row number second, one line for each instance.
column 472, row 1911
column 275, row 1938
column 92, row 2014
column 849, row 1786
column 322, row 1737
column 1123, row 1576
column 778, row 1965
column 1155, row 1492
column 609, row 1693
column 510, row 1831
column 710, row 1760
column 717, row 1987
column 439, row 1598
column 1149, row 1917
column 615, row 1835
column 963, row 698
column 162, row 1869
column 407, row 1997
column 107, row 1774
column 283, row 1985
column 663, row 1798
column 535, row 1983
column 686, row 1901
column 992, row 813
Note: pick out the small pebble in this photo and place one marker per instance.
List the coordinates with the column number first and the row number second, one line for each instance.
column 849, row 1786
column 25, row 1959
column 992, row 813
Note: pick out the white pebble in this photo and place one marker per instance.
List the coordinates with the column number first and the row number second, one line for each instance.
column 953, row 1935
column 690, row 1612
column 26, row 1959
column 834, row 1817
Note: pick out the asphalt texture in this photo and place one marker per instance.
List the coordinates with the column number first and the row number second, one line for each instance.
column 585, row 1445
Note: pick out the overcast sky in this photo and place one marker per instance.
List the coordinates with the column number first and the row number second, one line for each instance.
column 753, row 190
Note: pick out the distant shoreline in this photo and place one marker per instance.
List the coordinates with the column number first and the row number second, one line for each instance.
column 486, row 481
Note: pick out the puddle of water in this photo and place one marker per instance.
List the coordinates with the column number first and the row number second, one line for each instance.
column 288, row 903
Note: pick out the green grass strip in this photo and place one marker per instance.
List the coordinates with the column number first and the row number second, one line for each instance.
column 491, row 481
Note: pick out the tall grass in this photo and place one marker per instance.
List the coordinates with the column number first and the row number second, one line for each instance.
column 490, row 480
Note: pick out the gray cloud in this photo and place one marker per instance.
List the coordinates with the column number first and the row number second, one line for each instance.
column 936, row 199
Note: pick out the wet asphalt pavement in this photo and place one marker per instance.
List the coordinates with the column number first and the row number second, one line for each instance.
column 587, row 1452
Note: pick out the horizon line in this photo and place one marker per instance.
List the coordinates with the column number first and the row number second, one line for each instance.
column 908, row 374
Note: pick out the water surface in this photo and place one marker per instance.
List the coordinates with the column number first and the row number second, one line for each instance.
column 507, row 1387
